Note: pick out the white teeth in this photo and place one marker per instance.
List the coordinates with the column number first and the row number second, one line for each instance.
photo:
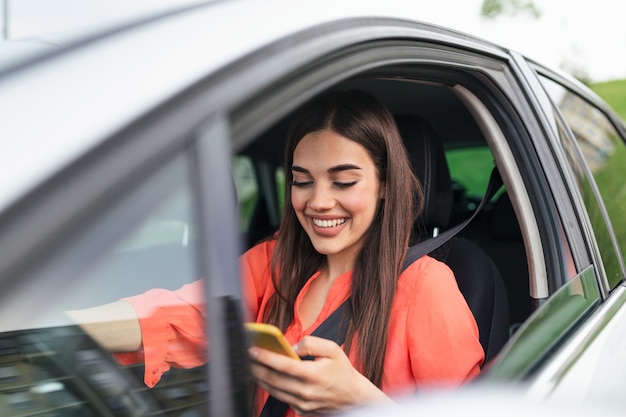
column 328, row 223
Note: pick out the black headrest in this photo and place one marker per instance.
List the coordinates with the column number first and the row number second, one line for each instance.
column 431, row 168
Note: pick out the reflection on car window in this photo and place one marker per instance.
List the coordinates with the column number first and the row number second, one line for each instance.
column 547, row 327
column 604, row 153
column 48, row 366
column 598, row 375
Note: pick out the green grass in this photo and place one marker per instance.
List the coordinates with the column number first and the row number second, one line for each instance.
column 610, row 179
column 610, row 182
column 614, row 93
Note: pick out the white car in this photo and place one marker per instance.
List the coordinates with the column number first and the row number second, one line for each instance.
column 149, row 155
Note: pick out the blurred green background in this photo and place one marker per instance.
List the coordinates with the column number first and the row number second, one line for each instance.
column 470, row 165
column 614, row 93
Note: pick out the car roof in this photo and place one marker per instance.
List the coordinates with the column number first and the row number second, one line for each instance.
column 64, row 103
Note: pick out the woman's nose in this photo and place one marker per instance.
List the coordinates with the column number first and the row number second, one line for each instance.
column 322, row 198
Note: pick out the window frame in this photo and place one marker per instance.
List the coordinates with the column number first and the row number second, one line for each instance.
column 561, row 121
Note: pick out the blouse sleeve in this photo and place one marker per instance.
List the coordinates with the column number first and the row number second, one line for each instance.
column 173, row 322
column 172, row 330
column 442, row 333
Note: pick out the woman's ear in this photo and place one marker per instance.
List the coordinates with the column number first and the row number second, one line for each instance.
column 383, row 189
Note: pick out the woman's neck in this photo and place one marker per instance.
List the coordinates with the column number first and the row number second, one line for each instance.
column 337, row 265
column 315, row 298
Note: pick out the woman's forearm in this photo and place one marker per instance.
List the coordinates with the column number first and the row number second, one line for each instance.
column 114, row 326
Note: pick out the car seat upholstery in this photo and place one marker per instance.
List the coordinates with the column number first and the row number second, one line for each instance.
column 505, row 245
column 477, row 276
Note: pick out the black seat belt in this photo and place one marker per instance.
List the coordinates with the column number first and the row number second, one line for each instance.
column 427, row 246
column 335, row 326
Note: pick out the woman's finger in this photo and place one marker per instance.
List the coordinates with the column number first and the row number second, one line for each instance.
column 317, row 347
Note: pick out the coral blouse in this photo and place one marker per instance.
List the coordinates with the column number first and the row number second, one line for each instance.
column 433, row 337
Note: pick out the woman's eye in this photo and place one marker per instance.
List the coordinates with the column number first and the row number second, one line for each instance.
column 295, row 183
column 344, row 184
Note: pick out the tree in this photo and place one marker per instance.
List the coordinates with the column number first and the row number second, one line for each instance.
column 494, row 8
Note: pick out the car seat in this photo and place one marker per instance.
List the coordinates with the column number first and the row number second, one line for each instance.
column 505, row 245
column 478, row 278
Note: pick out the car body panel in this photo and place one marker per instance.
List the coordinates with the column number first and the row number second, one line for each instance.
column 591, row 366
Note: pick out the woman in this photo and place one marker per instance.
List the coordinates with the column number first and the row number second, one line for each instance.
column 353, row 201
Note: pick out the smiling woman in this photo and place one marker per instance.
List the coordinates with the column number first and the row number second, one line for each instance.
column 343, row 237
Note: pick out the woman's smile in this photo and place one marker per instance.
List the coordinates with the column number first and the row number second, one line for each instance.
column 328, row 228
column 328, row 223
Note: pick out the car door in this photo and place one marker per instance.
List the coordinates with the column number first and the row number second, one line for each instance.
column 115, row 224
column 588, row 311
column 589, row 367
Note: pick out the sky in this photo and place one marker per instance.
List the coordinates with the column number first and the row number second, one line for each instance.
column 590, row 35
column 586, row 37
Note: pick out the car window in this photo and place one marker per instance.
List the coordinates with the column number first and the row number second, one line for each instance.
column 259, row 205
column 547, row 327
column 598, row 374
column 247, row 189
column 470, row 169
column 48, row 366
column 280, row 187
column 603, row 154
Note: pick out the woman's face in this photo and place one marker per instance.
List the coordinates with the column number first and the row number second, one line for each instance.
column 335, row 192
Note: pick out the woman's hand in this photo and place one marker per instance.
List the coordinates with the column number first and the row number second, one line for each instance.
column 324, row 385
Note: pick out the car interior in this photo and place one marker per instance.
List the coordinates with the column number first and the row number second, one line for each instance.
column 488, row 256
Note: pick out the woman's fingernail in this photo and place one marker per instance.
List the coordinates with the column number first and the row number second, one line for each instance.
column 253, row 352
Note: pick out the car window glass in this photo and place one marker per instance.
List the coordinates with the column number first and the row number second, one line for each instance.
column 247, row 189
column 598, row 375
column 48, row 366
column 603, row 152
column 280, row 187
column 547, row 326
column 260, row 207
column 470, row 169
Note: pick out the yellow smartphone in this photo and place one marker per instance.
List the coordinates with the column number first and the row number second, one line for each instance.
column 269, row 337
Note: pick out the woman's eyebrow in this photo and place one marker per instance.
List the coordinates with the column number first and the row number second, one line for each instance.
column 343, row 167
column 299, row 169
column 331, row 170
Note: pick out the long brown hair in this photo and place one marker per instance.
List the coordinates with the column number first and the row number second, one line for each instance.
column 364, row 120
